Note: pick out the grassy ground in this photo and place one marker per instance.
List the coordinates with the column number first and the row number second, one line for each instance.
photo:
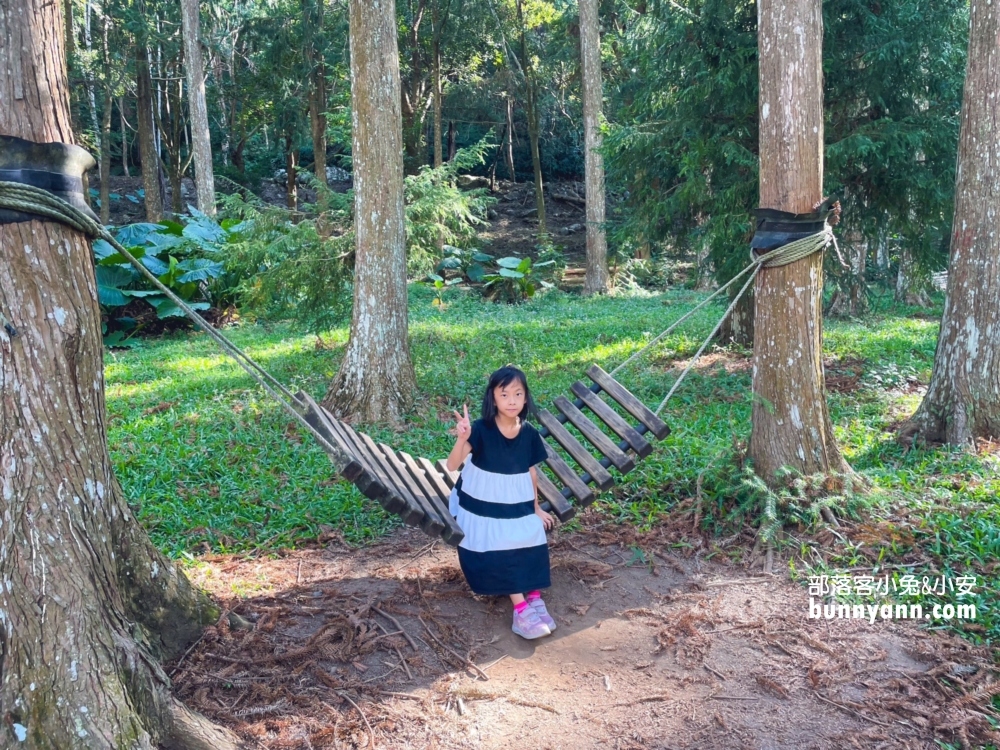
column 213, row 465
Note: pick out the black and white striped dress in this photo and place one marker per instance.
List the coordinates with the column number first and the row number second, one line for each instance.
column 504, row 550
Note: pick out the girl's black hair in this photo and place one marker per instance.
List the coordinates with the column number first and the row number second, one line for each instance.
column 501, row 378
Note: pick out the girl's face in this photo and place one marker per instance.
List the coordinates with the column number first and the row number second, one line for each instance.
column 509, row 398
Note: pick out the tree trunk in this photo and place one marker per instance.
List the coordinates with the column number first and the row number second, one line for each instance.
column 291, row 173
column 850, row 298
column 148, row 153
column 452, row 140
column 438, row 153
column 791, row 425
column 911, row 289
column 88, row 76
column 531, row 111
column 105, row 162
column 597, row 279
column 509, row 150
column 738, row 328
column 125, row 143
column 201, row 140
column 963, row 399
column 317, row 90
column 376, row 382
column 89, row 603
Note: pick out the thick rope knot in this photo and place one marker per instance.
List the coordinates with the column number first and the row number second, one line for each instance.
column 793, row 251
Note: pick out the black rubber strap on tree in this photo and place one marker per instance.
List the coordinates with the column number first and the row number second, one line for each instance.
column 779, row 228
column 59, row 168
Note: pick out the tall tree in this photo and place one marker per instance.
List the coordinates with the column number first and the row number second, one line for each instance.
column 312, row 15
column 791, row 425
column 149, row 154
column 963, row 399
column 201, row 142
column 531, row 112
column 597, row 278
column 376, row 382
column 88, row 604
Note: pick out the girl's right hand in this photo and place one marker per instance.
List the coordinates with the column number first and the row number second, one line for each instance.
column 463, row 428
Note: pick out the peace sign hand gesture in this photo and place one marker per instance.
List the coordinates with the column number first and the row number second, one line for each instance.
column 463, row 428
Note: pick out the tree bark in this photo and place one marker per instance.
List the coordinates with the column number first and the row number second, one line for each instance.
column 963, row 399
column 85, row 591
column 105, row 161
column 738, row 328
column 509, row 147
column 148, row 153
column 791, row 425
column 291, row 173
column 376, row 382
column 436, row 62
column 597, row 279
column 531, row 111
column 201, row 140
column 124, row 127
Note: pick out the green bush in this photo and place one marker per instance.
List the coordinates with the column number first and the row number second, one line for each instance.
column 185, row 257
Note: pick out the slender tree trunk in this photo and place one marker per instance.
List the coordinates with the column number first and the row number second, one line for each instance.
column 597, row 279
column 963, row 399
column 438, row 92
column 850, row 298
column 509, row 149
column 317, row 88
column 88, row 76
column 791, row 425
column 105, row 162
column 376, row 382
column 738, row 329
column 89, row 603
column 124, row 127
column 201, row 140
column 148, row 153
column 531, row 110
column 452, row 140
column 291, row 173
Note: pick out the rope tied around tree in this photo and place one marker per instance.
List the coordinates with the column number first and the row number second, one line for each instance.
column 778, row 256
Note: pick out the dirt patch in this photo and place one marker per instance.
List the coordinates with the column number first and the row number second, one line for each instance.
column 386, row 647
column 729, row 362
column 513, row 226
column 843, row 375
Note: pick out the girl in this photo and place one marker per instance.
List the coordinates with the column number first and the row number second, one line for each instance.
column 495, row 502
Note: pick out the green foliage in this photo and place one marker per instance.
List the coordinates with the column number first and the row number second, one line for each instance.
column 183, row 256
column 288, row 267
column 439, row 213
column 682, row 147
column 514, row 280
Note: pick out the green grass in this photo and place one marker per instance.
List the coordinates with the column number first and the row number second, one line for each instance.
column 213, row 464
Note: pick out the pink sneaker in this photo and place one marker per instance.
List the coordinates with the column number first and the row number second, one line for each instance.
column 543, row 613
column 527, row 625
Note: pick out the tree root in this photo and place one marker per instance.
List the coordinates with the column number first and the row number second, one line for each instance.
column 191, row 731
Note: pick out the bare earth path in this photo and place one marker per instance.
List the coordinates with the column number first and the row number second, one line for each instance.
column 666, row 652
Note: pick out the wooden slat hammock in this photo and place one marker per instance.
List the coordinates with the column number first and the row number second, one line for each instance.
column 416, row 489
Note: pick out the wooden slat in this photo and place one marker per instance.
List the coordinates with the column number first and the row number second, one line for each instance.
column 408, row 509
column 381, row 490
column 450, row 477
column 567, row 476
column 432, row 524
column 576, row 450
column 452, row 533
column 630, row 403
column 612, row 419
column 413, row 514
column 315, row 417
column 560, row 505
column 593, row 433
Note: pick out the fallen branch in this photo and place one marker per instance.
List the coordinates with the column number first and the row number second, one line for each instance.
column 395, row 622
column 851, row 710
column 465, row 661
column 371, row 732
